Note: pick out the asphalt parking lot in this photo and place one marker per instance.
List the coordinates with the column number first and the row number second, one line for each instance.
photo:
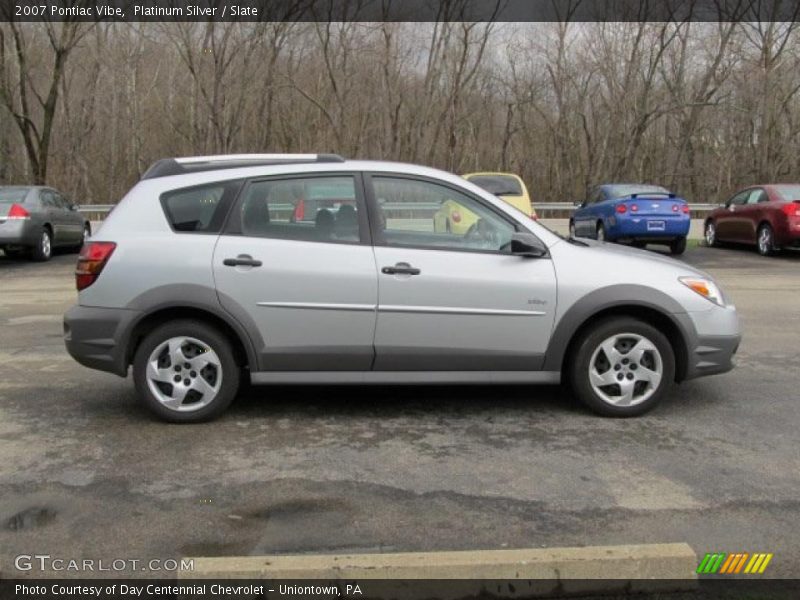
column 85, row 473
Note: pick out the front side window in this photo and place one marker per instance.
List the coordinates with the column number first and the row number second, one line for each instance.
column 312, row 209
column 199, row 209
column 414, row 213
column 740, row 198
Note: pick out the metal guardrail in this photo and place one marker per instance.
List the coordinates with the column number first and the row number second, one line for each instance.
column 542, row 208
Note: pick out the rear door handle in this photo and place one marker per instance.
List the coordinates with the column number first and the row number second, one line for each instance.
column 401, row 269
column 241, row 261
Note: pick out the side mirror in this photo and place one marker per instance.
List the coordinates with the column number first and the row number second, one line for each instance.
column 73, row 207
column 527, row 245
column 578, row 203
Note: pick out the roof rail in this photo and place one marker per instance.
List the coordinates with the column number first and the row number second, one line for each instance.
column 195, row 164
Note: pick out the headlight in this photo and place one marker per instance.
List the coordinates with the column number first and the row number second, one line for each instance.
column 705, row 287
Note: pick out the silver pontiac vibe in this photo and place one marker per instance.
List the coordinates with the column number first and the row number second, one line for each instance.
column 313, row 269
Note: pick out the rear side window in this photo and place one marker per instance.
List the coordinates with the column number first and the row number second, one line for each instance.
column 312, row 209
column 199, row 209
column 499, row 185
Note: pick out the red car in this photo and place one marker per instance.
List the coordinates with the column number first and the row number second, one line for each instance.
column 765, row 215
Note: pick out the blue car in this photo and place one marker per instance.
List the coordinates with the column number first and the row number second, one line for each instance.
column 635, row 213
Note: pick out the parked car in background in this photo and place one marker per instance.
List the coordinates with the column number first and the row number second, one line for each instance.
column 765, row 215
column 34, row 220
column 636, row 213
column 249, row 291
column 506, row 186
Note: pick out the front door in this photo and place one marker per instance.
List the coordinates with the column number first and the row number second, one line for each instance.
column 452, row 300
column 309, row 283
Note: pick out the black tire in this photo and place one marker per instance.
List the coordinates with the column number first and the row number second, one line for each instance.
column 43, row 249
column 600, row 233
column 590, row 341
column 766, row 246
column 218, row 342
column 678, row 245
column 640, row 245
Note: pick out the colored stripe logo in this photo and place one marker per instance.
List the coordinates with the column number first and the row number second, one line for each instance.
column 722, row 563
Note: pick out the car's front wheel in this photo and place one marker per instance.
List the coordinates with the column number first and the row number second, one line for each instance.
column 621, row 367
column 711, row 234
column 184, row 371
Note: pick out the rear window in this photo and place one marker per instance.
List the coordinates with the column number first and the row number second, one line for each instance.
column 618, row 191
column 788, row 192
column 499, row 185
column 12, row 195
column 199, row 209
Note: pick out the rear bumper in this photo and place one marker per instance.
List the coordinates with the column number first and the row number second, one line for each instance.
column 95, row 337
column 18, row 232
column 636, row 228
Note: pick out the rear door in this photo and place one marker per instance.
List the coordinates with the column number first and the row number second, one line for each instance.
column 454, row 302
column 747, row 217
column 72, row 221
column 584, row 217
column 310, row 284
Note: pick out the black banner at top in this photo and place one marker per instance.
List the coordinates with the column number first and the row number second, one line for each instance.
column 398, row 10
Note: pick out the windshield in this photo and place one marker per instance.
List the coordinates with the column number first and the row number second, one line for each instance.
column 618, row 191
column 12, row 195
column 788, row 192
column 499, row 185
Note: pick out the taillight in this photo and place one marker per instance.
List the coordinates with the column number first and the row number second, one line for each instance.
column 685, row 209
column 91, row 260
column 792, row 209
column 456, row 216
column 621, row 208
column 18, row 212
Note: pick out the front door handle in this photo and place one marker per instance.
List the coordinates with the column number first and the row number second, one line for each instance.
column 401, row 268
column 241, row 261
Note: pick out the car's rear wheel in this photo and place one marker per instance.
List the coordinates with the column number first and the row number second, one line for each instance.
column 621, row 367
column 710, row 234
column 601, row 232
column 766, row 240
column 43, row 249
column 678, row 245
column 184, row 371
column 87, row 232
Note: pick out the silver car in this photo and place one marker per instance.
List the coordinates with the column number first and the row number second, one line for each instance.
column 202, row 276
column 34, row 220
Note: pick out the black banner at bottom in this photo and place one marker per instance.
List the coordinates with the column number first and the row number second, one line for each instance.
column 396, row 589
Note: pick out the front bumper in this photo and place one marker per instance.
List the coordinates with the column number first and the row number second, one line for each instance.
column 97, row 337
column 716, row 339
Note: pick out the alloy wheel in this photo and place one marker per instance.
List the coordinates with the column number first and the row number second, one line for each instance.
column 184, row 374
column 45, row 244
column 711, row 234
column 765, row 240
column 626, row 369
